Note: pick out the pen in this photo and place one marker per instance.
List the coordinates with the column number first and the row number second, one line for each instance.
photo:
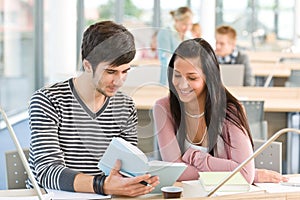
column 125, row 174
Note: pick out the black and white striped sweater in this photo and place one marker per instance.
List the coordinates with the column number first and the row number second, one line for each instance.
column 67, row 138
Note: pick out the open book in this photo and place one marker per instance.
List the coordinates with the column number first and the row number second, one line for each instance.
column 237, row 183
column 135, row 162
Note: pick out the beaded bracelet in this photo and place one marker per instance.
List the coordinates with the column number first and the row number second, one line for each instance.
column 98, row 183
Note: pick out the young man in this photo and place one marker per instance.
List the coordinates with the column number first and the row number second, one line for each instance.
column 227, row 53
column 72, row 122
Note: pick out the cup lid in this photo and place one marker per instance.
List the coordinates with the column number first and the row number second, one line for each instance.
column 171, row 189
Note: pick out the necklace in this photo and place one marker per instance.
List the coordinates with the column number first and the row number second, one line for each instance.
column 195, row 116
column 204, row 134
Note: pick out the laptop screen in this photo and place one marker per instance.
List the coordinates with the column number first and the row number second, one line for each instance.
column 232, row 74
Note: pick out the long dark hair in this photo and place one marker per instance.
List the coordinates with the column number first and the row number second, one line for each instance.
column 220, row 104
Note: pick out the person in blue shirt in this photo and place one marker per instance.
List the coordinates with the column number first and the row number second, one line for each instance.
column 170, row 37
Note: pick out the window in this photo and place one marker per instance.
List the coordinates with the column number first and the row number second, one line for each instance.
column 98, row 10
column 260, row 24
column 16, row 54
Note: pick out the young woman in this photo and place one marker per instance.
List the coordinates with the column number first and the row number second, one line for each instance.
column 200, row 122
column 170, row 37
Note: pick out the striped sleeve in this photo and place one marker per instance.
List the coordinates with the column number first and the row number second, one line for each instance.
column 47, row 159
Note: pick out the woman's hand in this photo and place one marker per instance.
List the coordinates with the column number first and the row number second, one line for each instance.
column 269, row 176
column 116, row 184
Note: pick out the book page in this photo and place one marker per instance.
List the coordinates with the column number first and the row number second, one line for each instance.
column 168, row 172
column 134, row 164
column 132, row 148
column 133, row 160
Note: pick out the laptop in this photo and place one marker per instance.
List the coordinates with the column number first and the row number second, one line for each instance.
column 232, row 74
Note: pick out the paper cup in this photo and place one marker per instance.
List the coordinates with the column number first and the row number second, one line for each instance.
column 170, row 192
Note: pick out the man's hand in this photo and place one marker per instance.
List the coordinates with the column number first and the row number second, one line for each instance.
column 116, row 184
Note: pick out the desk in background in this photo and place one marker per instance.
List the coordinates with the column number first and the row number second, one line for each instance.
column 280, row 72
column 262, row 63
column 267, row 57
column 272, row 56
column 279, row 101
column 275, row 59
column 141, row 62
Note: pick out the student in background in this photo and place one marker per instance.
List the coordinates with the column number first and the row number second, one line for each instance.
column 201, row 123
column 196, row 30
column 227, row 52
column 151, row 53
column 72, row 122
column 170, row 37
column 153, row 43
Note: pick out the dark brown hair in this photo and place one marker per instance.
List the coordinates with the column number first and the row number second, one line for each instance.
column 107, row 41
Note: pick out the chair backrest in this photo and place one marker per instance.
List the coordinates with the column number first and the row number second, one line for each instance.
column 255, row 114
column 143, row 75
column 254, row 110
column 232, row 74
column 16, row 174
column 270, row 158
column 294, row 79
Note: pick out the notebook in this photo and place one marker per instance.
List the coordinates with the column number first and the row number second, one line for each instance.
column 210, row 180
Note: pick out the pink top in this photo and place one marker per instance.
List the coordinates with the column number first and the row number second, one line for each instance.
column 226, row 158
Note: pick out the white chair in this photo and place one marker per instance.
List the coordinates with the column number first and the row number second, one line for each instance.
column 294, row 79
column 255, row 115
column 16, row 174
column 270, row 158
column 142, row 75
